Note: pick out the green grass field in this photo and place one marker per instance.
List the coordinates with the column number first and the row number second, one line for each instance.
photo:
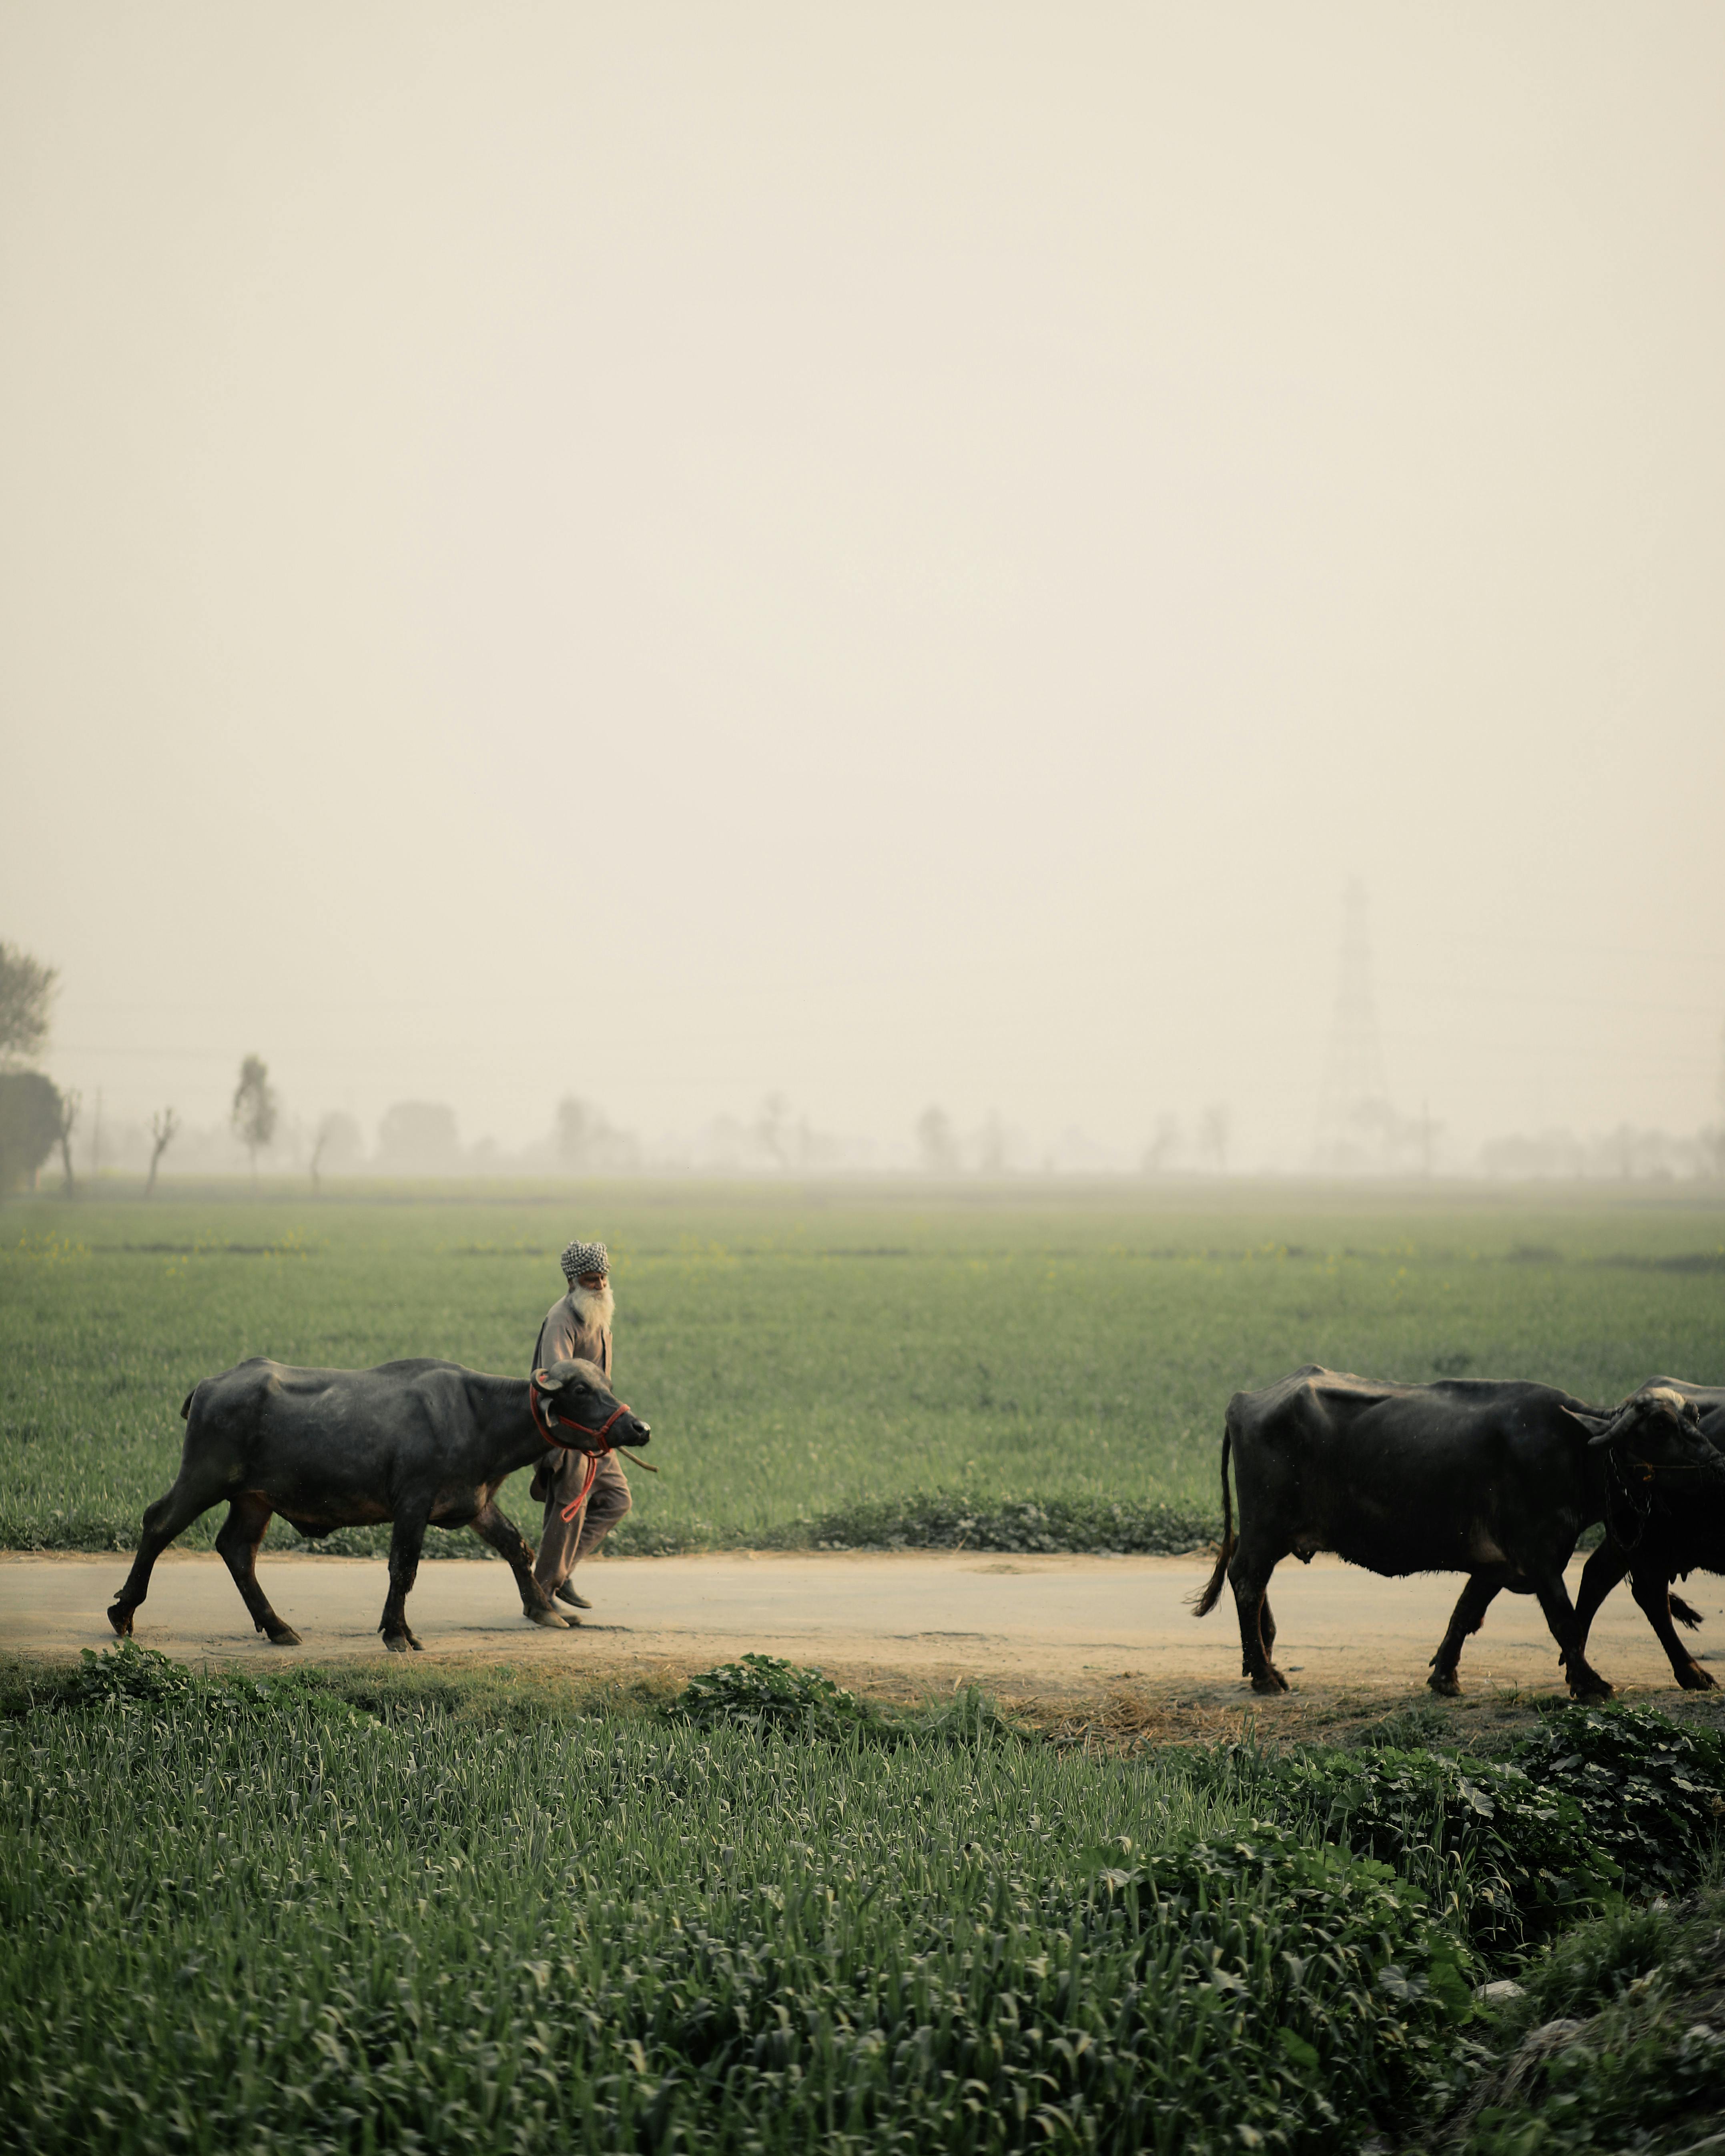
column 354, row 1911
column 849, row 1363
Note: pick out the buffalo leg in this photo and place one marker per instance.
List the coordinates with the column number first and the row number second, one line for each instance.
column 1469, row 1614
column 493, row 1526
column 168, row 1517
column 1249, row 1575
column 1652, row 1588
column 405, row 1544
column 1601, row 1573
column 1584, row 1680
column 241, row 1538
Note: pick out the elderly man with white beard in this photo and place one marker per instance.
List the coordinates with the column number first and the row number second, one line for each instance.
column 578, row 1326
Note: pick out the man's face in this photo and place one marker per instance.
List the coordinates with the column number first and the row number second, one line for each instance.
column 593, row 1281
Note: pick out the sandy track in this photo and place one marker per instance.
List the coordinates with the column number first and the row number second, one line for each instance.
column 1057, row 1627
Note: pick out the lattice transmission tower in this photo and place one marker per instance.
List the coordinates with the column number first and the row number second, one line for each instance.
column 1356, row 1123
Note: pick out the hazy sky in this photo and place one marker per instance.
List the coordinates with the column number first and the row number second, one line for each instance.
column 892, row 553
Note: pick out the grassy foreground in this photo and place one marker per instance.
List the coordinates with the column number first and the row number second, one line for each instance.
column 1009, row 1368
column 372, row 1910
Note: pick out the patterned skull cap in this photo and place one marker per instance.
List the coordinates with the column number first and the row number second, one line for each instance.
column 582, row 1258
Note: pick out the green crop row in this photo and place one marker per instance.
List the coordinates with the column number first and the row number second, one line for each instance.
column 833, row 1367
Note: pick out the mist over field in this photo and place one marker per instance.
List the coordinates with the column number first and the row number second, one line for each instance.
column 982, row 590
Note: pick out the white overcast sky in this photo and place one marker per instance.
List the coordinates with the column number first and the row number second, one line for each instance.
column 892, row 553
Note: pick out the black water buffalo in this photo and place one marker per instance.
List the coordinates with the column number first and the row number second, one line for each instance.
column 419, row 1443
column 1494, row 1480
column 1666, row 1529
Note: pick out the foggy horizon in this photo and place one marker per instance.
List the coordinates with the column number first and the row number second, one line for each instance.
column 894, row 560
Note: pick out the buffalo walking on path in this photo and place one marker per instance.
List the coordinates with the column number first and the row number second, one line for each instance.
column 1497, row 1480
column 418, row 1443
column 1667, row 1529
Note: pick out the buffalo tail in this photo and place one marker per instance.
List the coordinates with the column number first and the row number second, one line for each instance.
column 1205, row 1602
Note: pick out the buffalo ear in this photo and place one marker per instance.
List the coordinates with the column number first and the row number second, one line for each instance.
column 1598, row 1426
column 1600, row 1429
column 546, row 1383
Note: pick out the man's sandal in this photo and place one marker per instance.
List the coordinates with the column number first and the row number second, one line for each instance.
column 567, row 1593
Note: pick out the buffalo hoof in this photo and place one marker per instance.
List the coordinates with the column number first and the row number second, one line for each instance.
column 285, row 1636
column 1446, row 1683
column 1695, row 1678
column 552, row 1620
column 119, row 1617
column 398, row 1643
column 1593, row 1689
column 1269, row 1680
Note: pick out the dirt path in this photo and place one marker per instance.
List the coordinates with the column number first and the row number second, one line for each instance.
column 1059, row 1628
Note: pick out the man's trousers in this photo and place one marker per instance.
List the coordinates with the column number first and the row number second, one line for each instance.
column 563, row 1543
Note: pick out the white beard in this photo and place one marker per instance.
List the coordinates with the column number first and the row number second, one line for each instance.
column 593, row 1306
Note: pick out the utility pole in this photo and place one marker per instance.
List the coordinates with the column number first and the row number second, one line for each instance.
column 1355, row 1120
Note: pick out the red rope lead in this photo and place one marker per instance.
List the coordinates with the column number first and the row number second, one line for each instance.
column 591, row 1476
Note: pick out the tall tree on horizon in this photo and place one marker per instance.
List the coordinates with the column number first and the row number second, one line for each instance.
column 26, row 986
column 164, row 1129
column 255, row 1109
column 71, row 1101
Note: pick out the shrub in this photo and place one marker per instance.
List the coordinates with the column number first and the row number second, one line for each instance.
column 763, row 1692
column 1649, row 1793
column 127, row 1672
column 1508, row 1859
column 1618, row 2044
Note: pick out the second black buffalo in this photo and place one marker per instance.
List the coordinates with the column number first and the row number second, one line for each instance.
column 1497, row 1480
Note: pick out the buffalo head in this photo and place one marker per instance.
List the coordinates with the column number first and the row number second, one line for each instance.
column 576, row 1398
column 1654, row 1427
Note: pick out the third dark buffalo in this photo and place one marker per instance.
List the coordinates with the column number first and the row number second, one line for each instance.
column 1668, row 1526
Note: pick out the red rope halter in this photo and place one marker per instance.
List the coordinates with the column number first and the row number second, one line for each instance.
column 544, row 1414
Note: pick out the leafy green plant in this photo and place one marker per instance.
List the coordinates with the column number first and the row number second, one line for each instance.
column 128, row 1677
column 1508, row 1857
column 763, row 1692
column 127, row 1672
column 1649, row 1792
column 940, row 1519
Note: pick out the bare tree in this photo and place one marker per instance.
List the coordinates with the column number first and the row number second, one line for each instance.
column 772, row 1129
column 25, row 986
column 164, row 1129
column 337, row 1147
column 1217, row 1130
column 325, row 1131
column 937, row 1147
column 70, row 1102
column 588, row 1143
column 255, row 1109
column 1159, row 1154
